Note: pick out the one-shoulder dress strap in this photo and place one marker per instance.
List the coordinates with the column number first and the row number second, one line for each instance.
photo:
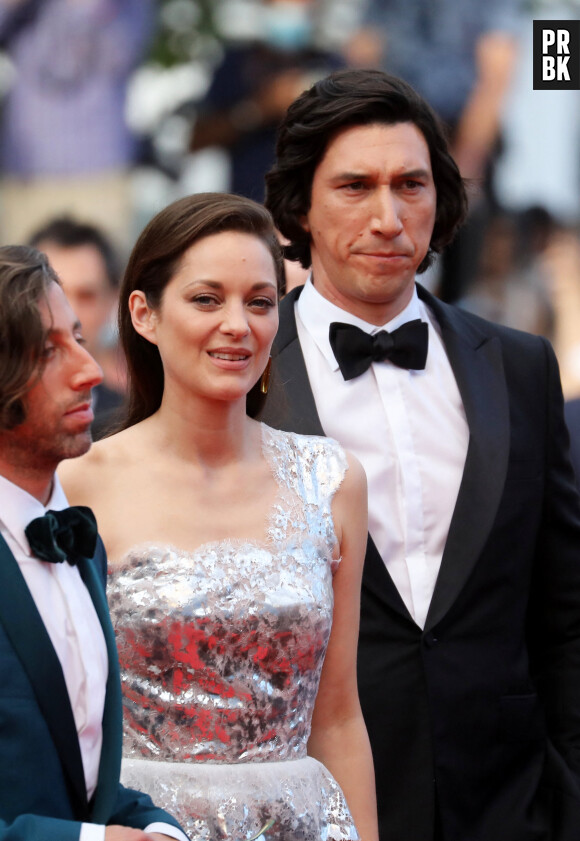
column 312, row 468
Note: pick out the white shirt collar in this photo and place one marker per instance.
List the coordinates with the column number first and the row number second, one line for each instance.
column 18, row 508
column 316, row 313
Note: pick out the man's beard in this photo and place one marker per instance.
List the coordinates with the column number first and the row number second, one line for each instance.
column 39, row 453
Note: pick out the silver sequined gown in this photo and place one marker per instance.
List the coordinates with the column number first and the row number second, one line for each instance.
column 221, row 651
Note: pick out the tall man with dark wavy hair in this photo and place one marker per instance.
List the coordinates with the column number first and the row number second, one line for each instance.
column 60, row 694
column 469, row 655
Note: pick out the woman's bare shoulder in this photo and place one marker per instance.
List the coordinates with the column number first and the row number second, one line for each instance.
column 81, row 477
column 355, row 480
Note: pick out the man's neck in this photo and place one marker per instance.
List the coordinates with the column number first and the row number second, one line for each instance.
column 377, row 313
column 317, row 308
column 38, row 483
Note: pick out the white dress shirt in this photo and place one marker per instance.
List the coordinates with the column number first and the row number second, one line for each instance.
column 409, row 431
column 68, row 613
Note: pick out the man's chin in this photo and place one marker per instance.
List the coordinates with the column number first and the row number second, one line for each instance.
column 77, row 445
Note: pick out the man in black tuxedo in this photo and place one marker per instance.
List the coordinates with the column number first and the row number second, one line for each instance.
column 60, row 694
column 469, row 656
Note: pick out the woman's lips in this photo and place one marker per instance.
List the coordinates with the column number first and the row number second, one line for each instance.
column 230, row 358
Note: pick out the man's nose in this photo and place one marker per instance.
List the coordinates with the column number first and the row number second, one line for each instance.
column 87, row 372
column 386, row 213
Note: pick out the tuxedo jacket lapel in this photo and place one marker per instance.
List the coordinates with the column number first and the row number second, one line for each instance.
column 110, row 762
column 477, row 365
column 290, row 404
column 31, row 642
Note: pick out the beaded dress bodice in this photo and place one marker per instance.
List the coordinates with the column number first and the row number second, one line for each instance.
column 221, row 651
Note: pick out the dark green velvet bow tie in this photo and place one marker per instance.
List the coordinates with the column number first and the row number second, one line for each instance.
column 63, row 535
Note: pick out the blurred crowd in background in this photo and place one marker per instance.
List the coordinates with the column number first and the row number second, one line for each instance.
column 111, row 109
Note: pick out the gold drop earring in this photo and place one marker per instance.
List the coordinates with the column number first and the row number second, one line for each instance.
column 265, row 379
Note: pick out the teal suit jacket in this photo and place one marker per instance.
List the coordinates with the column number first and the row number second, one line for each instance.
column 42, row 785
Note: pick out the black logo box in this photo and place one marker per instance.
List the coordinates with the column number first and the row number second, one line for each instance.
column 543, row 47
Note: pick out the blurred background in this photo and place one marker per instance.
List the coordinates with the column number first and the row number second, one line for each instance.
column 111, row 109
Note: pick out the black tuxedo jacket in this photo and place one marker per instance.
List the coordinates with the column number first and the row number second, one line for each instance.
column 474, row 721
column 43, row 795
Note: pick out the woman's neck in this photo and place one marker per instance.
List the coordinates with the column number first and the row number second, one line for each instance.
column 213, row 433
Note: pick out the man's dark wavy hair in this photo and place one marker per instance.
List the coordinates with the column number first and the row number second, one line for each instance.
column 342, row 100
column 25, row 278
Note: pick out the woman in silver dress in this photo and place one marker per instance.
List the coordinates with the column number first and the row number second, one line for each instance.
column 235, row 550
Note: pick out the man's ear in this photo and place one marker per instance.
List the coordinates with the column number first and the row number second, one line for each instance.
column 143, row 317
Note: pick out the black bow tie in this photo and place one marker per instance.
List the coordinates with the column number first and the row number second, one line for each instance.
column 63, row 535
column 354, row 349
